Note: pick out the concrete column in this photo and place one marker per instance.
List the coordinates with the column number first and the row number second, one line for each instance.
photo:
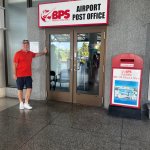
column 2, row 61
column 2, row 65
column 148, row 56
column 35, row 34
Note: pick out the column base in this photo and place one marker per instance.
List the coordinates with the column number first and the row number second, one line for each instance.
column 2, row 92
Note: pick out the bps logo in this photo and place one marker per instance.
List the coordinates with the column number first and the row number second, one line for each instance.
column 47, row 15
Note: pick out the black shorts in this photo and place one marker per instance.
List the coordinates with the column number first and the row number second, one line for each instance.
column 24, row 82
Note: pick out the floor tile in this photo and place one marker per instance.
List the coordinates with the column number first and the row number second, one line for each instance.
column 134, row 145
column 41, row 112
column 62, row 126
column 91, row 120
column 14, row 132
column 7, row 102
column 58, row 138
column 136, row 130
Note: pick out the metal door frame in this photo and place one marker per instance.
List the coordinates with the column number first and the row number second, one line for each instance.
column 86, row 99
column 72, row 96
column 59, row 96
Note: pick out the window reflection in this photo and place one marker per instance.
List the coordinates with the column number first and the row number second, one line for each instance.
column 16, row 22
column 36, row 2
column 60, row 62
column 88, row 59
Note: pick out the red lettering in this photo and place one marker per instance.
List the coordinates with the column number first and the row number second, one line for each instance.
column 54, row 15
column 67, row 14
column 59, row 14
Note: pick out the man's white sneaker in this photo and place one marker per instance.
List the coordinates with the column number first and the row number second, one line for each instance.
column 21, row 106
column 27, row 106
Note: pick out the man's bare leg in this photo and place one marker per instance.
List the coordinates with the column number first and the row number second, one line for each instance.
column 28, row 94
column 27, row 98
column 20, row 95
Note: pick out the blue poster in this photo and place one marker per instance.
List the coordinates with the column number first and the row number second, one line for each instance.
column 126, row 92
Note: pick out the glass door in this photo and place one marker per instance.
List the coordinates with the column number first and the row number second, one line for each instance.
column 88, row 66
column 75, row 65
column 60, row 64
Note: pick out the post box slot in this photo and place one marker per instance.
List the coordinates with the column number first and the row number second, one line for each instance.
column 127, row 60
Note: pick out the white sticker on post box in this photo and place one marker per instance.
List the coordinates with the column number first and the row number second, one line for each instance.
column 127, row 65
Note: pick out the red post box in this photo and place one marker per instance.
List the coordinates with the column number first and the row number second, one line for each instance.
column 126, row 81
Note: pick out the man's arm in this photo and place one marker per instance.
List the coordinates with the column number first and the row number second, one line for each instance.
column 41, row 53
column 14, row 70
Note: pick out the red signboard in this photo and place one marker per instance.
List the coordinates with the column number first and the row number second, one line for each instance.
column 73, row 13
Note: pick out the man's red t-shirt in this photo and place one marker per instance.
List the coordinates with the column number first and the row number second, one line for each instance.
column 23, row 60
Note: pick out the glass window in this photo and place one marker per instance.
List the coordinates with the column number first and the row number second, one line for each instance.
column 60, row 62
column 35, row 2
column 16, row 24
column 88, row 63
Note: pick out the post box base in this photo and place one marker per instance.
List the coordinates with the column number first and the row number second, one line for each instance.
column 125, row 112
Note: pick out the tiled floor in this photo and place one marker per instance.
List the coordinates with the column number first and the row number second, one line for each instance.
column 7, row 102
column 62, row 126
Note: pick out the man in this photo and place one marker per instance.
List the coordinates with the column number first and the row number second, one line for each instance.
column 22, row 72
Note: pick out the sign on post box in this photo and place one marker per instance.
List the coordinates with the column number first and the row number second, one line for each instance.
column 126, row 80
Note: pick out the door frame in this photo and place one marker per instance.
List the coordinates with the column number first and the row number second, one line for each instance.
column 72, row 96
column 57, row 95
column 93, row 100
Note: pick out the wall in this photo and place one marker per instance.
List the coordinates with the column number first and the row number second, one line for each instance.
column 39, row 64
column 127, row 32
column 2, row 65
column 148, row 54
column 35, row 34
column 16, row 21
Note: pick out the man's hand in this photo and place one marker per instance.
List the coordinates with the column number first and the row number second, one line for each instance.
column 45, row 50
column 42, row 53
column 15, row 77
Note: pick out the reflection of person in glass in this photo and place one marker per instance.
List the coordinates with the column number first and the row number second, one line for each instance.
column 95, row 66
column 96, row 60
